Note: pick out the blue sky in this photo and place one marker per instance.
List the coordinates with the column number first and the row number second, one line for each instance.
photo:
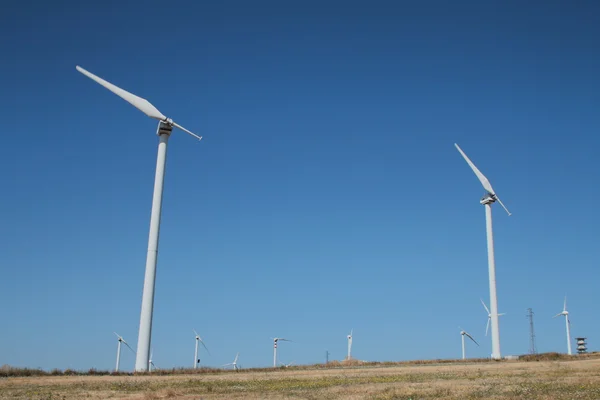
column 326, row 194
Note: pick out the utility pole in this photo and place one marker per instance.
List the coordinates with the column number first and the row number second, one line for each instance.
column 532, row 349
column 326, row 356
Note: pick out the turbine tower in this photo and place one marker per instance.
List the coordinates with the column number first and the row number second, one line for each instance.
column 275, row 340
column 120, row 340
column 165, row 127
column 488, row 199
column 462, row 335
column 568, row 323
column 350, row 344
column 198, row 339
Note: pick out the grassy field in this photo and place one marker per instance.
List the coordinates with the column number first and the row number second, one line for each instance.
column 566, row 378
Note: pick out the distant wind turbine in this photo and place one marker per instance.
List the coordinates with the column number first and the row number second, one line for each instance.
column 198, row 339
column 488, row 199
column 151, row 361
column 567, row 323
column 275, row 340
column 350, row 344
column 120, row 340
column 234, row 363
column 462, row 335
column 489, row 316
column 286, row 365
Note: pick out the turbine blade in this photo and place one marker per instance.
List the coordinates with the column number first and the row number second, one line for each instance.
column 484, row 181
column 141, row 104
column 487, row 327
column 565, row 305
column 503, row 206
column 558, row 315
column 502, row 314
column 195, row 333
column 484, row 306
column 129, row 347
column 186, row 131
column 119, row 336
column 471, row 337
column 201, row 341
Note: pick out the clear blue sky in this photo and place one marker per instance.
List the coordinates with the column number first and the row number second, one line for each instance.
column 327, row 194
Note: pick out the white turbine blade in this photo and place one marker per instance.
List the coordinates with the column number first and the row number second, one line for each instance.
column 186, row 131
column 201, row 341
column 471, row 337
column 141, row 104
column 487, row 327
column 125, row 343
column 351, row 331
column 484, row 181
column 119, row 336
column 503, row 206
column 565, row 306
column 225, row 365
column 484, row 306
column 196, row 333
column 236, row 358
column 502, row 314
column 558, row 315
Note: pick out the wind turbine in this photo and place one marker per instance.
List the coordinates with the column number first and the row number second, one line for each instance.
column 275, row 340
column 462, row 335
column 350, row 344
column 487, row 326
column 120, row 340
column 165, row 127
column 488, row 199
column 287, row 365
column 568, row 323
column 234, row 363
column 198, row 339
column 150, row 362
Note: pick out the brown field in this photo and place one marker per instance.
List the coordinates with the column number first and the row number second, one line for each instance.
column 565, row 378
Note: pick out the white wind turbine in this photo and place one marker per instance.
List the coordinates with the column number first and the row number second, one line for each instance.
column 350, row 345
column 234, row 363
column 275, row 340
column 487, row 326
column 568, row 323
column 120, row 340
column 151, row 362
column 462, row 335
column 287, row 365
column 165, row 127
column 487, row 200
column 198, row 339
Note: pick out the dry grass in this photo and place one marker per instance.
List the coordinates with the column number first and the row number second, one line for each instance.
column 547, row 378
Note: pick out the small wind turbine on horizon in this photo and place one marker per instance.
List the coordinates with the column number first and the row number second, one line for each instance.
column 234, row 363
column 165, row 127
column 462, row 335
column 198, row 339
column 120, row 340
column 567, row 323
column 286, row 365
column 349, row 357
column 151, row 362
column 488, row 199
column 275, row 340
column 487, row 326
